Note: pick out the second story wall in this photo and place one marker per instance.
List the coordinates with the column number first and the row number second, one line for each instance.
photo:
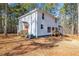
column 45, row 22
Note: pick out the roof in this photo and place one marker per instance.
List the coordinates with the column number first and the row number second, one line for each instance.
column 30, row 12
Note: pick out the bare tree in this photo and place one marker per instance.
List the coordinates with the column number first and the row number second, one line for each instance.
column 6, row 18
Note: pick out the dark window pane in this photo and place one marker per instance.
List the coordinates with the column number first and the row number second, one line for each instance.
column 49, row 29
column 41, row 26
column 42, row 15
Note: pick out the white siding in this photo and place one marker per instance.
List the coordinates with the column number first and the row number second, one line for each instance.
column 31, row 19
column 48, row 21
column 32, row 23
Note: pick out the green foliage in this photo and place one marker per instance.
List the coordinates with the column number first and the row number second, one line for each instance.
column 62, row 10
column 48, row 6
column 20, row 9
column 69, row 17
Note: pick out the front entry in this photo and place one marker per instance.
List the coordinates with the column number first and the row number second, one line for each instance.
column 25, row 27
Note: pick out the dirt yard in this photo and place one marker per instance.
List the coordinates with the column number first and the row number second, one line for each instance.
column 44, row 46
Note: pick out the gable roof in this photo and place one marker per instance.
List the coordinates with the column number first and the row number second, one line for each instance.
column 30, row 12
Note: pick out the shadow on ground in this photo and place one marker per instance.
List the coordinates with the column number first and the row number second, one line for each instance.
column 22, row 49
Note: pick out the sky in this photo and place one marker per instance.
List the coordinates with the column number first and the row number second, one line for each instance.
column 59, row 6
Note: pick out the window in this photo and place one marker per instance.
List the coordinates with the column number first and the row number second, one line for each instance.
column 41, row 26
column 52, row 28
column 55, row 20
column 48, row 29
column 42, row 15
column 59, row 27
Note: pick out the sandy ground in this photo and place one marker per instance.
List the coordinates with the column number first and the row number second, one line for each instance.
column 44, row 46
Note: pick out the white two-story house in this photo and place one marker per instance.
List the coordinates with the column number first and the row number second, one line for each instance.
column 37, row 23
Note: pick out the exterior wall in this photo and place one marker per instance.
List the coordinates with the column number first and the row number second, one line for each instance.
column 31, row 19
column 48, row 21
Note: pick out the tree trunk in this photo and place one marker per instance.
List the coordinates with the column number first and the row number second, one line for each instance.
column 5, row 26
column 72, row 25
column 78, row 18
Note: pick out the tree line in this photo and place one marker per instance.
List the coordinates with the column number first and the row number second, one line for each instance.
column 9, row 13
column 69, row 18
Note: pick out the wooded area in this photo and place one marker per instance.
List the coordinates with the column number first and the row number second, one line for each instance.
column 69, row 18
column 9, row 13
